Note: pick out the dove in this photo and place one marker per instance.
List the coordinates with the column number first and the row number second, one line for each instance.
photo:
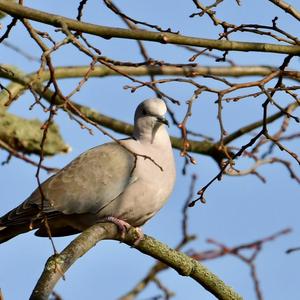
column 125, row 182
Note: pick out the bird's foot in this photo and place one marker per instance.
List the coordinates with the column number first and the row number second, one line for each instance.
column 123, row 227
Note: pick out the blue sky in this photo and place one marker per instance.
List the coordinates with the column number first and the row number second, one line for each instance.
column 238, row 210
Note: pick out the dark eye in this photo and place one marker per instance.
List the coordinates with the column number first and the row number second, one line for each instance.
column 144, row 112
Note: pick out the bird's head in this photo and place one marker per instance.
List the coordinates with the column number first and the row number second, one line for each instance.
column 149, row 117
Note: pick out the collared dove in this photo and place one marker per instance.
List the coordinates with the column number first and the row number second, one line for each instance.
column 124, row 183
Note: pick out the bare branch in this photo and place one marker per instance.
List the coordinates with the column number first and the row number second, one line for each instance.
column 161, row 37
column 288, row 8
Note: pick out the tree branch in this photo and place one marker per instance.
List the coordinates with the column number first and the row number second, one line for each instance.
column 20, row 155
column 246, row 129
column 2, row 15
column 288, row 8
column 58, row 264
column 20, row 11
column 203, row 147
column 188, row 71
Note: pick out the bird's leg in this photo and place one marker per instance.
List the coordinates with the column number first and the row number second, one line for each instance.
column 123, row 226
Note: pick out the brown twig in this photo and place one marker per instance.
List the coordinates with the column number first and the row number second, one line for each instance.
column 80, row 9
column 117, row 11
column 23, row 157
column 262, row 132
column 288, row 251
column 8, row 30
column 259, row 162
column 183, row 127
column 167, row 294
column 236, row 251
column 288, row 8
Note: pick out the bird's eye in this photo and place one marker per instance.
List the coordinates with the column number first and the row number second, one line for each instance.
column 144, row 112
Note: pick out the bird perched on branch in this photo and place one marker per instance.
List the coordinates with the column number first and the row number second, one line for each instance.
column 125, row 182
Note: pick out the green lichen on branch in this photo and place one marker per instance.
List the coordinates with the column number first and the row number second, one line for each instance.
column 19, row 133
column 25, row 135
column 183, row 264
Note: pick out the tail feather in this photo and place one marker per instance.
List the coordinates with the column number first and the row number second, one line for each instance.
column 7, row 233
column 53, row 224
column 57, row 225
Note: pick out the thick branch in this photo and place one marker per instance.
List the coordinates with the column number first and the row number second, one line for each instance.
column 2, row 15
column 57, row 265
column 102, row 71
column 165, row 38
column 203, row 147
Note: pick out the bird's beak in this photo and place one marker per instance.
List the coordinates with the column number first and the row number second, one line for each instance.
column 163, row 120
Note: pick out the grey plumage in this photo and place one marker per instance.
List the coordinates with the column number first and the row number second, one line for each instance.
column 105, row 181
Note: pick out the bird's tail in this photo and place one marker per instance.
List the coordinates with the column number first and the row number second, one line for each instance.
column 9, row 232
column 19, row 220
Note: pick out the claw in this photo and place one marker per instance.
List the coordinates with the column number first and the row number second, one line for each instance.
column 140, row 234
column 123, row 227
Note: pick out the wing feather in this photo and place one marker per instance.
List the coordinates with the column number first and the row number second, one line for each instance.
column 85, row 185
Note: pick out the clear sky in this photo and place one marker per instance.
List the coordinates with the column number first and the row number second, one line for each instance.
column 238, row 210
